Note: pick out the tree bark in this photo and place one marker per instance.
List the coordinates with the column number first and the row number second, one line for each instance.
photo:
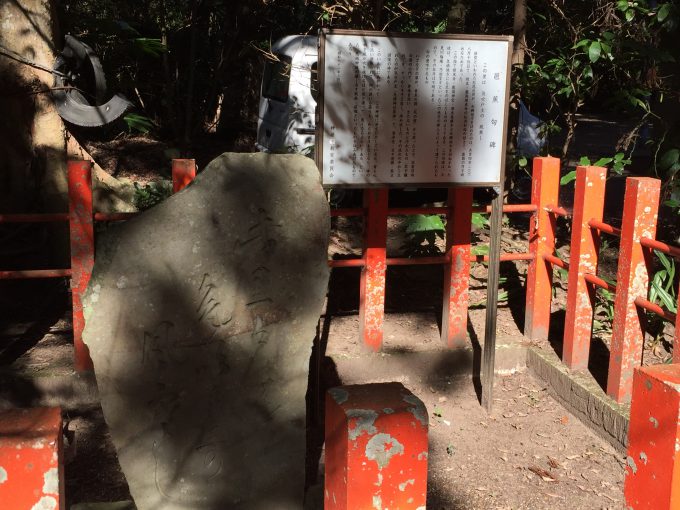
column 519, row 30
column 34, row 140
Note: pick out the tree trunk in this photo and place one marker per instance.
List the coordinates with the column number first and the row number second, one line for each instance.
column 519, row 30
column 33, row 138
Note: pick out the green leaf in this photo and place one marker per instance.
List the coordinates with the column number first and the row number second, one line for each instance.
column 140, row 123
column 522, row 162
column 603, row 161
column 588, row 72
column 673, row 170
column 622, row 5
column 630, row 14
column 149, row 46
column 608, row 35
column 584, row 161
column 669, row 158
column 568, row 177
column 663, row 13
column 594, row 51
column 424, row 223
column 482, row 249
column 665, row 261
column 665, row 297
column 479, row 220
column 582, row 42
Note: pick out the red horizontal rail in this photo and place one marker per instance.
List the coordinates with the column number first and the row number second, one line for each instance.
column 347, row 263
column 654, row 308
column 115, row 216
column 34, row 273
column 604, row 227
column 673, row 251
column 599, row 282
column 417, row 261
column 556, row 261
column 422, row 261
column 557, row 211
column 34, row 218
column 406, row 211
column 506, row 257
column 507, row 208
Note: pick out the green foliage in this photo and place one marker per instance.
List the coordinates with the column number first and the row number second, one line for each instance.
column 669, row 164
column 617, row 164
column 662, row 289
column 480, row 221
column 139, row 123
column 149, row 46
column 480, row 249
column 598, row 53
column 422, row 232
column 151, row 194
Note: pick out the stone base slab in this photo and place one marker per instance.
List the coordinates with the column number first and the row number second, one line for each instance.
column 581, row 395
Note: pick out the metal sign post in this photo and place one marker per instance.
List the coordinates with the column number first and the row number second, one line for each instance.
column 489, row 356
column 406, row 110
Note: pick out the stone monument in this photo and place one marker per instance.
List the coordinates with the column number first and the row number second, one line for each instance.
column 200, row 319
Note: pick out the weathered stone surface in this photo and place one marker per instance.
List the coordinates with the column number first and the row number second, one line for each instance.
column 200, row 319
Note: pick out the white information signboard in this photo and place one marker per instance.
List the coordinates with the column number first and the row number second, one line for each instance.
column 399, row 109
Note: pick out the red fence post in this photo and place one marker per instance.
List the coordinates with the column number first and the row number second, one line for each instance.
column 457, row 270
column 183, row 172
column 31, row 459
column 376, row 448
column 640, row 208
column 585, row 245
column 81, row 225
column 676, row 336
column 653, row 465
column 372, row 286
column 545, row 189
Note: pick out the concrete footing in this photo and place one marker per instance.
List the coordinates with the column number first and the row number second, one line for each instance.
column 580, row 394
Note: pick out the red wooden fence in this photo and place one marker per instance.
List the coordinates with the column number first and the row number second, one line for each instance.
column 81, row 217
column 637, row 232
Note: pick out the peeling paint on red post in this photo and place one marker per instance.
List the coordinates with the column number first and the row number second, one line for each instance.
column 376, row 448
column 653, row 464
column 31, row 471
column 457, row 270
column 183, row 172
column 640, row 213
column 585, row 246
column 81, row 225
column 545, row 189
column 676, row 336
column 372, row 286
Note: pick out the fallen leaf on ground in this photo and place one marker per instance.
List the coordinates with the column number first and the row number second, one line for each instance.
column 553, row 463
column 545, row 476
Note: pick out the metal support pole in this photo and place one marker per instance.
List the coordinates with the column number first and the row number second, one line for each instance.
column 489, row 356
